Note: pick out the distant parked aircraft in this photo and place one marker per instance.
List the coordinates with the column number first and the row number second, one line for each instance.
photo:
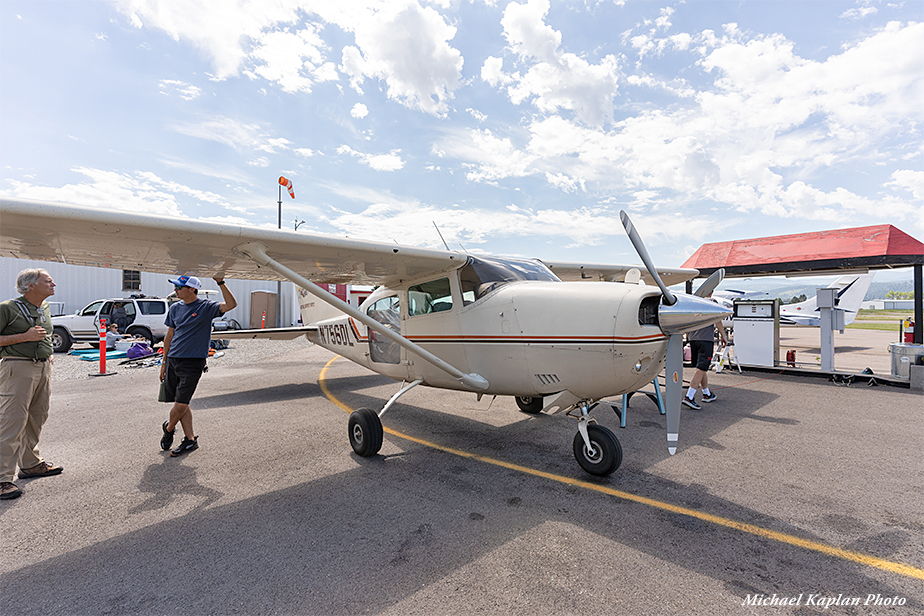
column 851, row 292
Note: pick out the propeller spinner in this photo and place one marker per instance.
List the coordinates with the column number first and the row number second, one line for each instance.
column 678, row 314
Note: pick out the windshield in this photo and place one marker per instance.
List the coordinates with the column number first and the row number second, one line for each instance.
column 481, row 275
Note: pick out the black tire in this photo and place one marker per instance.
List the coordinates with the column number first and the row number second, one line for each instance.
column 61, row 341
column 143, row 332
column 607, row 455
column 365, row 430
column 529, row 404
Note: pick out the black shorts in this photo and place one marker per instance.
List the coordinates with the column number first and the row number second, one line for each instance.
column 181, row 378
column 701, row 353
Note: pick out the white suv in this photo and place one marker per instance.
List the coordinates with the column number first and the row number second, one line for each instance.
column 143, row 317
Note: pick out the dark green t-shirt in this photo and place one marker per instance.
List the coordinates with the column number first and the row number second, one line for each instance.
column 18, row 316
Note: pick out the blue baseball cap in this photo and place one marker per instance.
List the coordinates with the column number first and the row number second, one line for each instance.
column 187, row 281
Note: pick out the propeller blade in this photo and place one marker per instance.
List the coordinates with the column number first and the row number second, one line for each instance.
column 673, row 389
column 706, row 289
column 669, row 298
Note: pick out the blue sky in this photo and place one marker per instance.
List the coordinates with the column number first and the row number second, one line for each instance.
column 518, row 127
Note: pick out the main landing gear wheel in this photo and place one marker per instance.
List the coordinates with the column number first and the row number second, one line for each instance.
column 606, row 455
column 529, row 404
column 365, row 432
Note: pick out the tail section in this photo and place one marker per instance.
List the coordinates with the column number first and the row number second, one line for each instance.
column 313, row 309
column 851, row 292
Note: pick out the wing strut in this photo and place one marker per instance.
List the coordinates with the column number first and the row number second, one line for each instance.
column 257, row 252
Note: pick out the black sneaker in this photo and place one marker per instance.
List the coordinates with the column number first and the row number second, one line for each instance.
column 167, row 439
column 691, row 403
column 186, row 446
column 709, row 397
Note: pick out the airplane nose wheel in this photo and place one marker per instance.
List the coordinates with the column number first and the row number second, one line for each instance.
column 365, row 429
column 605, row 453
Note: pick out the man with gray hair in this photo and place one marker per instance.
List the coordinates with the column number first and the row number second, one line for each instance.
column 25, row 379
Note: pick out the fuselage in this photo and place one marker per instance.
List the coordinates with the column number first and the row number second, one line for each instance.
column 526, row 337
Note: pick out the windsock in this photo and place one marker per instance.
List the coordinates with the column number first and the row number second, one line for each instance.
column 288, row 185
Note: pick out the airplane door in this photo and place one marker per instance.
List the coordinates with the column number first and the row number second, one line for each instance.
column 386, row 311
column 433, row 322
column 385, row 356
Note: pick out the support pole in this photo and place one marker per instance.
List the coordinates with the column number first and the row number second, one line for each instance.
column 918, row 302
column 278, row 322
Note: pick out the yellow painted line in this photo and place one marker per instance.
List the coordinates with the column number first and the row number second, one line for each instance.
column 849, row 555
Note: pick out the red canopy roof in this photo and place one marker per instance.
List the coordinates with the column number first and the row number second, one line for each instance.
column 876, row 247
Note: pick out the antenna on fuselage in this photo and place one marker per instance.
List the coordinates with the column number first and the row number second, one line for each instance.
column 440, row 234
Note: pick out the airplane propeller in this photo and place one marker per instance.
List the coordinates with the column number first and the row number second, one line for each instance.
column 678, row 314
column 669, row 298
column 709, row 285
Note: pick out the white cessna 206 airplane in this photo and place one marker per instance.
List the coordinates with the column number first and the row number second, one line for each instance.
column 491, row 326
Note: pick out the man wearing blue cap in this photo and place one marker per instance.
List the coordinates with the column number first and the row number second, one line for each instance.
column 186, row 347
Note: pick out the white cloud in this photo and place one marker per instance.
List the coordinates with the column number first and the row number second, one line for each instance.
column 863, row 9
column 553, row 79
column 235, row 134
column 912, row 181
column 400, row 42
column 139, row 192
column 380, row 162
column 261, row 161
column 490, row 158
column 751, row 140
column 406, row 46
column 663, row 22
column 186, row 91
column 409, row 221
column 294, row 60
column 481, row 117
column 359, row 111
column 215, row 28
column 492, row 71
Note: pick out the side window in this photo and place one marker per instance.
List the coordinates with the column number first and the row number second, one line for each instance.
column 429, row 297
column 91, row 310
column 386, row 311
column 152, row 307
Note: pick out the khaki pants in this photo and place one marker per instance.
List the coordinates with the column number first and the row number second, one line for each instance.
column 25, row 391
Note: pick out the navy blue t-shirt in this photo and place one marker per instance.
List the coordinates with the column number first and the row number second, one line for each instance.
column 192, row 325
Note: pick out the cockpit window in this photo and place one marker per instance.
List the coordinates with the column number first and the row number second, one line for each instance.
column 481, row 275
column 429, row 297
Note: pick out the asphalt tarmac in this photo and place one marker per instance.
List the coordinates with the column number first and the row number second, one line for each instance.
column 784, row 490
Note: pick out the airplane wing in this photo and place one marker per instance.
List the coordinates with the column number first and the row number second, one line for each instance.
column 86, row 236
column 597, row 271
column 76, row 235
